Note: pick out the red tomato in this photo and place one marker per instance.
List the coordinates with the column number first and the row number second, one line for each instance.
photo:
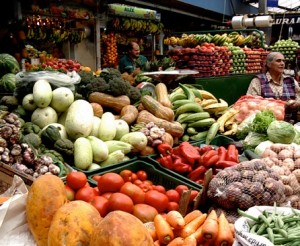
column 134, row 192
column 144, row 212
column 96, row 177
column 134, row 177
column 172, row 206
column 106, row 194
column 70, row 193
column 138, row 182
column 96, row 190
column 110, row 182
column 142, row 175
column 85, row 193
column 145, row 187
column 181, row 188
column 126, row 174
column 157, row 200
column 160, row 188
column 101, row 204
column 120, row 201
column 173, row 195
column 194, row 193
column 76, row 180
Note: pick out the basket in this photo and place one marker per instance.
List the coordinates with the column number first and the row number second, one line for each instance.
column 155, row 174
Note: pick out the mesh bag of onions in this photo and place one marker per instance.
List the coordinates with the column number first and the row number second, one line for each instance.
column 248, row 184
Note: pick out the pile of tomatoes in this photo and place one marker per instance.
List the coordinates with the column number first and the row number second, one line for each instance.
column 128, row 191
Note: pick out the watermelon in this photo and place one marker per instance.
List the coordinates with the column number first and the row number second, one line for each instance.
column 8, row 83
column 8, row 64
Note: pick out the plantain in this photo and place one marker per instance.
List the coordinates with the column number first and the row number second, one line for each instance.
column 225, row 117
column 216, row 107
column 206, row 94
column 206, row 102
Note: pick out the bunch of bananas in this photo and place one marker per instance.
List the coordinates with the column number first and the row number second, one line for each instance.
column 197, row 110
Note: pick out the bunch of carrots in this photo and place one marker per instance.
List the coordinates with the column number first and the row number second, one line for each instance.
column 193, row 229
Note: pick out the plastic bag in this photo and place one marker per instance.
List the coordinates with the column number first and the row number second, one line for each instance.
column 55, row 78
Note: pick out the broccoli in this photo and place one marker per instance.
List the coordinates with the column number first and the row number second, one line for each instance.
column 96, row 84
column 110, row 73
column 118, row 86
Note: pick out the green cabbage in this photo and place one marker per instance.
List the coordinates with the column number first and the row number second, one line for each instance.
column 281, row 132
column 297, row 137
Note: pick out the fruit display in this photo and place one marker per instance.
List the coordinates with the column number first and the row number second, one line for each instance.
column 252, row 60
column 287, row 47
column 110, row 51
column 238, row 65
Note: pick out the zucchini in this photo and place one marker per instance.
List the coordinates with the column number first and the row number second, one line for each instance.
column 107, row 128
column 250, row 154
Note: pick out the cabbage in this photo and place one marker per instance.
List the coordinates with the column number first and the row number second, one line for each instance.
column 281, row 132
column 259, row 150
column 297, row 136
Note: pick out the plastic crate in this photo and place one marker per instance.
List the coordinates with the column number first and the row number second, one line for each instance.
column 219, row 140
column 155, row 174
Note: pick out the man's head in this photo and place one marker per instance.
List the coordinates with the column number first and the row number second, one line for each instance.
column 133, row 50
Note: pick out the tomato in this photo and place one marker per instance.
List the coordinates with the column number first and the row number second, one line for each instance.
column 172, row 206
column 173, row 195
column 142, row 175
column 160, row 188
column 144, row 212
column 70, row 193
column 96, row 177
column 145, row 187
column 194, row 193
column 126, row 174
column 101, row 204
column 147, row 181
column 181, row 188
column 76, row 180
column 120, row 201
column 157, row 200
column 106, row 194
column 134, row 192
column 134, row 177
column 110, row 182
column 85, row 193
column 138, row 182
column 96, row 190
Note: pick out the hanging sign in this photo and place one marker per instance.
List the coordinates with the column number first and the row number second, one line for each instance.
column 272, row 3
column 134, row 12
column 286, row 20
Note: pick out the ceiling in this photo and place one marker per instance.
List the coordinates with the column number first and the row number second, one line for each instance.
column 283, row 6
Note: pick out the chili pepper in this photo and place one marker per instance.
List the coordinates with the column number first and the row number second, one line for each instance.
column 164, row 149
column 181, row 167
column 189, row 152
column 205, row 148
column 166, row 161
column 197, row 173
column 232, row 153
column 223, row 164
column 222, row 153
column 210, row 157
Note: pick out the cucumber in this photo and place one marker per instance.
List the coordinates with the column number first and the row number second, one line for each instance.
column 107, row 128
column 83, row 153
column 250, row 154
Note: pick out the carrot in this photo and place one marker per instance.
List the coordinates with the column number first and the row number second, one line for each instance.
column 224, row 236
column 190, row 241
column 177, row 241
column 163, row 229
column 198, row 234
column 210, row 226
column 192, row 215
column 192, row 226
column 175, row 219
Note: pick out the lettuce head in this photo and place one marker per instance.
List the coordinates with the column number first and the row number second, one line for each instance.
column 281, row 132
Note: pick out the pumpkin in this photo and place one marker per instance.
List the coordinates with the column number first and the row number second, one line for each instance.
column 121, row 228
column 45, row 196
column 73, row 224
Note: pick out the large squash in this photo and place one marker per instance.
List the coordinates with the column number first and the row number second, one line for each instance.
column 73, row 224
column 45, row 196
column 119, row 228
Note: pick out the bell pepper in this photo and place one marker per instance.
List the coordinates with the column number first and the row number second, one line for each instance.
column 210, row 157
column 188, row 151
column 232, row 153
column 223, row 164
column 205, row 148
column 166, row 161
column 164, row 149
column 180, row 166
column 222, row 151
column 197, row 173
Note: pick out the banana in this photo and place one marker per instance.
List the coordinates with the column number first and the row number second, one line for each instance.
column 216, row 107
column 229, row 114
column 207, row 95
column 232, row 131
column 206, row 102
column 188, row 107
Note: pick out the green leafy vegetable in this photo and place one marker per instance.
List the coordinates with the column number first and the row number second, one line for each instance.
column 281, row 132
column 262, row 120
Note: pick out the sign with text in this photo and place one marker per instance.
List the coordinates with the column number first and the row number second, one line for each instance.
column 130, row 11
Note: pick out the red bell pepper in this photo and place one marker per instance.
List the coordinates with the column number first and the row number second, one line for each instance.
column 223, row 164
column 188, row 151
column 232, row 153
column 180, row 166
column 164, row 149
column 210, row 157
column 205, row 148
column 166, row 161
column 222, row 151
column 197, row 173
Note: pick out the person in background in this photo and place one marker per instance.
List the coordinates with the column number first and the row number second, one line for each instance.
column 132, row 60
column 289, row 71
column 275, row 84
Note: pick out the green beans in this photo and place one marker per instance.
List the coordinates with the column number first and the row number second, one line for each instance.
column 281, row 229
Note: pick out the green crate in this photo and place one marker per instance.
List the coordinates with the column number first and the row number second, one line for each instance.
column 104, row 168
column 219, row 140
column 155, row 174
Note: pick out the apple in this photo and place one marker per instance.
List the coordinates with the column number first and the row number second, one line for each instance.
column 62, row 98
column 28, row 102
